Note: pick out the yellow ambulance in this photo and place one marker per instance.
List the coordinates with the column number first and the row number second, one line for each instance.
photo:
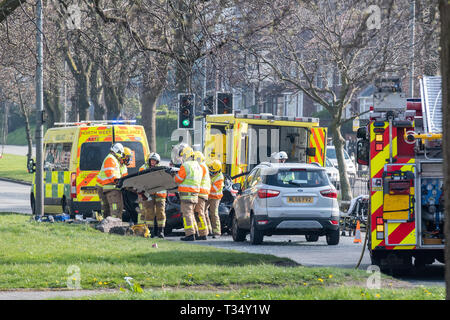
column 242, row 141
column 73, row 155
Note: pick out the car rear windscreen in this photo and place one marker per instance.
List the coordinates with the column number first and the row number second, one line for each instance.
column 92, row 155
column 295, row 178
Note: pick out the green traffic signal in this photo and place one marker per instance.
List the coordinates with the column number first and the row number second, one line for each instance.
column 185, row 122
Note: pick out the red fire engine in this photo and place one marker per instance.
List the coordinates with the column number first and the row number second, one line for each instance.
column 402, row 145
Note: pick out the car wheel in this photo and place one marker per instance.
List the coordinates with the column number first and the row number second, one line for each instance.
column 237, row 233
column 256, row 236
column 332, row 237
column 312, row 237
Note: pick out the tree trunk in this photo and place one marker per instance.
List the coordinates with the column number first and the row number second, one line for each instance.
column 25, row 114
column 96, row 92
column 444, row 7
column 83, row 93
column 52, row 103
column 338, row 142
column 113, row 102
column 149, row 97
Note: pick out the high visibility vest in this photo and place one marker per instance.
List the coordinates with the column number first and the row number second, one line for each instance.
column 189, row 179
column 205, row 185
column 111, row 170
column 160, row 194
column 217, row 182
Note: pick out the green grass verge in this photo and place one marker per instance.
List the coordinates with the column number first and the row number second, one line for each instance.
column 14, row 167
column 44, row 255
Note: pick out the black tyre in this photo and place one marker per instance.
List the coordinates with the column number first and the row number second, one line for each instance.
column 256, row 236
column 332, row 237
column 237, row 233
column 32, row 204
column 66, row 208
column 312, row 237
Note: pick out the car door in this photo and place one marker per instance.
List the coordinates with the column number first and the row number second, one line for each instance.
column 248, row 196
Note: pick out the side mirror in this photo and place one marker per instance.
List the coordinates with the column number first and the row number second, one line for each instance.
column 31, row 166
column 311, row 152
column 237, row 187
column 362, row 152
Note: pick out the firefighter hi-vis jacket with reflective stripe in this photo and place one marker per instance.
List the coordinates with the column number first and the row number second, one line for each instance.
column 159, row 194
column 216, row 186
column 111, row 170
column 189, row 179
column 205, row 185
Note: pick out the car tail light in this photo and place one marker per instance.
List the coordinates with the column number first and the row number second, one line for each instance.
column 178, row 215
column 262, row 222
column 266, row 193
column 335, row 222
column 330, row 193
column 73, row 185
column 171, row 195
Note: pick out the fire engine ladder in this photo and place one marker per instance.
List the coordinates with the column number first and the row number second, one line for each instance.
column 431, row 95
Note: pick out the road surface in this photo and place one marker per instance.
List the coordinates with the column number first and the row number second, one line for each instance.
column 14, row 197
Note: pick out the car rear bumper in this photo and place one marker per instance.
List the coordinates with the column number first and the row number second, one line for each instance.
column 295, row 226
column 85, row 207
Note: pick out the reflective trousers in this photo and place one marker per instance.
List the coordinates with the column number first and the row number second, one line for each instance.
column 213, row 212
column 187, row 208
column 154, row 208
column 112, row 202
column 200, row 215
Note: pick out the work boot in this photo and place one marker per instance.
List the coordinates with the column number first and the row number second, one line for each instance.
column 188, row 238
column 202, row 238
column 161, row 233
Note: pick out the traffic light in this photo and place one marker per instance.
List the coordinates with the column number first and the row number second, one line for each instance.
column 186, row 111
column 224, row 103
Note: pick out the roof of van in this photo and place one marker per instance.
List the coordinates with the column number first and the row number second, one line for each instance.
column 293, row 165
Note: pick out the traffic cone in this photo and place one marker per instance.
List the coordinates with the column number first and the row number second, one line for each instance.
column 357, row 233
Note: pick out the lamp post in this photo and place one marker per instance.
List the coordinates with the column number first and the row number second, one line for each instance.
column 39, row 195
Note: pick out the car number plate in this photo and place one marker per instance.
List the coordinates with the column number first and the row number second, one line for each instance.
column 300, row 199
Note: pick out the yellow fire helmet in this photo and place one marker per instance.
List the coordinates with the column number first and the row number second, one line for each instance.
column 127, row 155
column 187, row 153
column 214, row 166
column 199, row 157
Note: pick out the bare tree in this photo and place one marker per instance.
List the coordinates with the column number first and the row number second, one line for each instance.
column 330, row 50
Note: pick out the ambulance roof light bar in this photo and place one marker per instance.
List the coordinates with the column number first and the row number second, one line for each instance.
column 269, row 116
column 94, row 122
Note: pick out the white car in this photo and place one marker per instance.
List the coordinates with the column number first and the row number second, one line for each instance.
column 333, row 173
column 350, row 166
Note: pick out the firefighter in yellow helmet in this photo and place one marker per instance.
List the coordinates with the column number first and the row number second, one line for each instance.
column 113, row 168
column 200, row 207
column 154, row 205
column 215, row 195
column 189, row 179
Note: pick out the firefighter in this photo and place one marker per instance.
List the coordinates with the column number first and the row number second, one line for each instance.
column 279, row 157
column 129, row 196
column 154, row 206
column 189, row 179
column 200, row 207
column 112, row 169
column 215, row 195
